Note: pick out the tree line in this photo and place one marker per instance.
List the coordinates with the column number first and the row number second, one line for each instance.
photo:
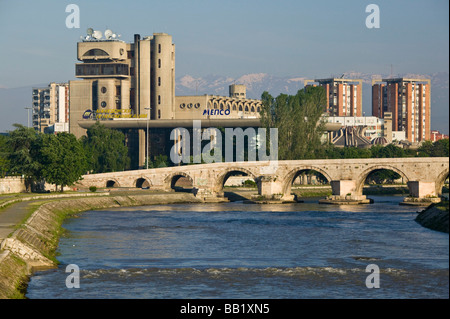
column 300, row 128
column 61, row 159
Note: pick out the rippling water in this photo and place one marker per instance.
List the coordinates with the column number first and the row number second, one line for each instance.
column 237, row 250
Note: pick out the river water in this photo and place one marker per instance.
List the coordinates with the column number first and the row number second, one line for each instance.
column 237, row 250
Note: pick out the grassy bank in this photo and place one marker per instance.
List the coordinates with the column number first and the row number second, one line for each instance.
column 32, row 246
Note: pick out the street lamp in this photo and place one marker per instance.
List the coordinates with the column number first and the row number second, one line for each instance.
column 146, row 138
column 28, row 115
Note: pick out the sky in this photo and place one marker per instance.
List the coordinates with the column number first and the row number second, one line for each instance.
column 232, row 38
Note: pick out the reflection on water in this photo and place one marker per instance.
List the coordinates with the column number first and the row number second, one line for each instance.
column 238, row 250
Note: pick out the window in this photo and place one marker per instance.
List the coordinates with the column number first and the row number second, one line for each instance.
column 197, row 105
column 159, row 81
column 95, row 52
column 182, row 106
column 189, row 106
column 101, row 69
column 159, row 63
column 103, row 104
column 103, row 90
column 159, row 99
column 159, row 48
column 159, row 114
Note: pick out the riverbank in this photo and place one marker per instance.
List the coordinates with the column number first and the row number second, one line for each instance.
column 33, row 244
column 435, row 217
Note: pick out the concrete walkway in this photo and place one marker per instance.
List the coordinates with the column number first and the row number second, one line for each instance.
column 11, row 216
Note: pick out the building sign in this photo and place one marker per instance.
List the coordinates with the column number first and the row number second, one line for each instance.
column 110, row 114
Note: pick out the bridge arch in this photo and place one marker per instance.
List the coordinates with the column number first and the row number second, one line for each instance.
column 112, row 182
column 171, row 180
column 225, row 174
column 142, row 182
column 294, row 173
column 440, row 180
column 363, row 176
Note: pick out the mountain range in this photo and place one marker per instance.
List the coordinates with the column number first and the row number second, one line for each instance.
column 14, row 100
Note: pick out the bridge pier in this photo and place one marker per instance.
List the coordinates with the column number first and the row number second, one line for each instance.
column 344, row 192
column 271, row 190
column 209, row 197
column 421, row 194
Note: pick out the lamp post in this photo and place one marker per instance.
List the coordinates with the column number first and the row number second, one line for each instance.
column 146, row 138
column 28, row 115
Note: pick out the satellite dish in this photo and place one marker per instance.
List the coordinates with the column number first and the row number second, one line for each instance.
column 97, row 34
column 114, row 36
column 108, row 34
column 90, row 31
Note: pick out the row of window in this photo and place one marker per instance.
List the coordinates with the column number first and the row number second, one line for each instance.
column 189, row 105
column 234, row 107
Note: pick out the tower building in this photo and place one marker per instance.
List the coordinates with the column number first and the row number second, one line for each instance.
column 409, row 102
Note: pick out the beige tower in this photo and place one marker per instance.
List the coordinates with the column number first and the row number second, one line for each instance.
column 238, row 91
column 162, row 76
column 388, row 126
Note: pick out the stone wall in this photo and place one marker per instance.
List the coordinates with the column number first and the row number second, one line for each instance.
column 10, row 185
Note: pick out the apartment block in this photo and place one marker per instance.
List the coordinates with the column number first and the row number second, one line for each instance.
column 409, row 102
column 344, row 96
column 50, row 106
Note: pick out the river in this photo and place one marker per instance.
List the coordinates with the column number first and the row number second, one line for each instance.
column 238, row 250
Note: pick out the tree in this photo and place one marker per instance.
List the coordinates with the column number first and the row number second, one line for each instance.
column 22, row 157
column 4, row 156
column 390, row 150
column 105, row 149
column 439, row 148
column 426, row 149
column 62, row 157
column 298, row 120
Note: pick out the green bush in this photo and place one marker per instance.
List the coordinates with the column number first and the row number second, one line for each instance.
column 249, row 183
column 93, row 189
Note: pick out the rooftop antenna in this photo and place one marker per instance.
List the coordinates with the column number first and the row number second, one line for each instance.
column 97, row 34
column 108, row 34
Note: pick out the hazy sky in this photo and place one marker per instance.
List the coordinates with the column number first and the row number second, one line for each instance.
column 232, row 38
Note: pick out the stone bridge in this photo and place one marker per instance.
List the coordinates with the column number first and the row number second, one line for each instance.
column 424, row 176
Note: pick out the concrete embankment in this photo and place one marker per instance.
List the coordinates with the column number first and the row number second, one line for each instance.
column 435, row 217
column 33, row 244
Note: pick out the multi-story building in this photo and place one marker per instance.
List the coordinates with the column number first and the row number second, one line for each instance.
column 436, row 136
column 409, row 102
column 51, row 106
column 131, row 87
column 344, row 96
